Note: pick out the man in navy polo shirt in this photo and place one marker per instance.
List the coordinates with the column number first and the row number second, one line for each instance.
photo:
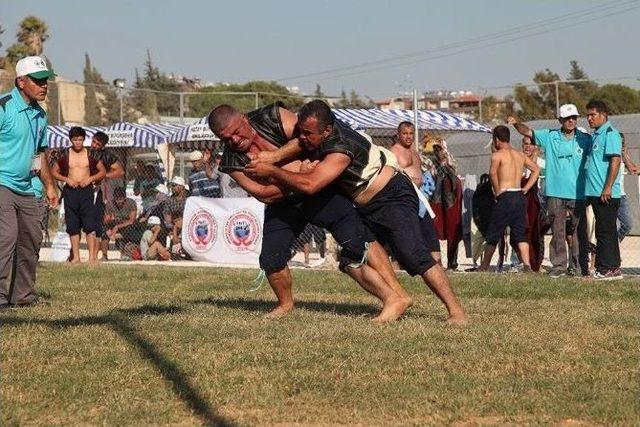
column 565, row 153
column 603, row 189
column 23, row 125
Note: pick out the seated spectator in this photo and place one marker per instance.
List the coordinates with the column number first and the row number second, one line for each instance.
column 204, row 180
column 174, row 206
column 151, row 247
column 156, row 208
column 146, row 181
column 119, row 213
column 177, row 252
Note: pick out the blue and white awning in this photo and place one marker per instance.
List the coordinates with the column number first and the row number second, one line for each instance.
column 427, row 120
column 58, row 136
column 138, row 136
column 199, row 131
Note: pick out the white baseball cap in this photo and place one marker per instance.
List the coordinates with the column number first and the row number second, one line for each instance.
column 153, row 220
column 178, row 180
column 161, row 188
column 195, row 155
column 33, row 66
column 567, row 110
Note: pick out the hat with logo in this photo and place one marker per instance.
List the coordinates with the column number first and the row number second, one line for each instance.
column 33, row 66
column 153, row 220
column 567, row 110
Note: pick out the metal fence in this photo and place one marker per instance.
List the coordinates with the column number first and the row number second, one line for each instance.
column 469, row 150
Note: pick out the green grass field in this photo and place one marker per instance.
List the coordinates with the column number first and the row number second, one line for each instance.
column 121, row 345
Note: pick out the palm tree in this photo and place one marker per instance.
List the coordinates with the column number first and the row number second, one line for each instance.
column 33, row 33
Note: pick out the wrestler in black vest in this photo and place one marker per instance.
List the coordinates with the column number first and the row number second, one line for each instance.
column 367, row 160
column 267, row 122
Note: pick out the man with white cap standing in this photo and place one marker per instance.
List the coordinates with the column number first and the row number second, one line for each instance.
column 23, row 125
column 565, row 154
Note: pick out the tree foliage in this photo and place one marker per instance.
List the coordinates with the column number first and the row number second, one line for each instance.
column 620, row 99
column 101, row 104
column 243, row 96
column 33, row 32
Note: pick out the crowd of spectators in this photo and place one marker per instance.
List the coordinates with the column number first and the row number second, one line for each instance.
column 150, row 228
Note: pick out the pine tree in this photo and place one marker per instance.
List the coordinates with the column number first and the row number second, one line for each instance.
column 92, row 111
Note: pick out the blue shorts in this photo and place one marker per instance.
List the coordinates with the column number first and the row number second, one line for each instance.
column 510, row 211
column 284, row 221
column 392, row 216
column 79, row 210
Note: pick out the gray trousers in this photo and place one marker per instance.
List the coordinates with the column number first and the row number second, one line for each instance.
column 564, row 213
column 20, row 238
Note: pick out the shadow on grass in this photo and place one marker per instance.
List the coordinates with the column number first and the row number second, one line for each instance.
column 168, row 369
column 263, row 306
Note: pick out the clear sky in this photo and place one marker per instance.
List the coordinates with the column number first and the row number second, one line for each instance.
column 237, row 41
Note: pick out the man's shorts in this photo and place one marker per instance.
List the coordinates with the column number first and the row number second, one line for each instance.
column 100, row 207
column 79, row 210
column 429, row 233
column 510, row 210
column 284, row 221
column 392, row 216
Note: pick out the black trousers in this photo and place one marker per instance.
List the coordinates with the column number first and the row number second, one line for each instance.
column 607, row 245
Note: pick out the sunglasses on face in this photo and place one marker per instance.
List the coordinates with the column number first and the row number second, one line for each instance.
column 39, row 82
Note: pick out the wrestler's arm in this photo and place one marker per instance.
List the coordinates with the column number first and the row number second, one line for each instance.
column 324, row 173
column 289, row 150
column 533, row 176
column 265, row 193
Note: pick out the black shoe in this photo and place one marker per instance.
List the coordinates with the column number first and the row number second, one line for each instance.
column 5, row 306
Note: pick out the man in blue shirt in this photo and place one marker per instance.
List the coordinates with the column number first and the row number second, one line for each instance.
column 603, row 189
column 565, row 153
column 23, row 125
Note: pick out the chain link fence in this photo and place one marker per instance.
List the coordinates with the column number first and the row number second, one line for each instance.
column 468, row 151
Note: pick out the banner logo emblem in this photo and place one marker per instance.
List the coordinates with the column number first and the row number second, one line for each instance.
column 202, row 230
column 242, row 231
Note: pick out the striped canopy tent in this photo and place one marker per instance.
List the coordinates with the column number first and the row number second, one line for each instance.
column 58, row 136
column 195, row 136
column 390, row 119
column 139, row 136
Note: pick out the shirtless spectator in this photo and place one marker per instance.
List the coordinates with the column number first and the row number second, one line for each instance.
column 507, row 165
column 79, row 170
column 406, row 153
column 120, row 213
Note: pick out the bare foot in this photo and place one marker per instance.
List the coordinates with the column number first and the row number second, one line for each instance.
column 74, row 262
column 457, row 319
column 93, row 262
column 392, row 310
column 279, row 311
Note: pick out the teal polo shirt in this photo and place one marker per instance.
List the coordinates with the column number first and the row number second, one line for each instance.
column 606, row 143
column 38, row 188
column 564, row 162
column 22, row 135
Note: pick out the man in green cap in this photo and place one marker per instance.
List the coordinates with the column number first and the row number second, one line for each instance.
column 23, row 141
